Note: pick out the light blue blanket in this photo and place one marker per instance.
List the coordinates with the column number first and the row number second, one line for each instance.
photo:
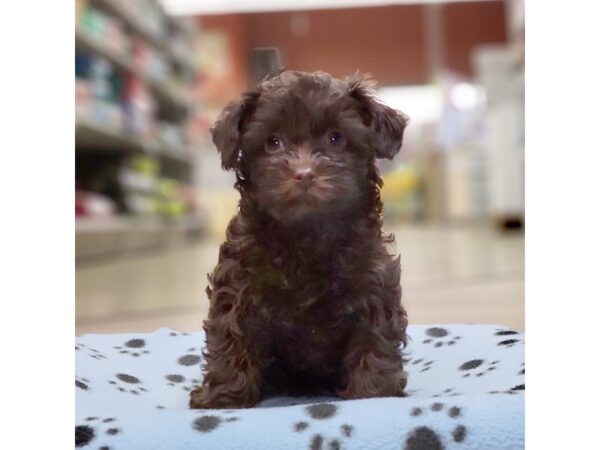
column 465, row 385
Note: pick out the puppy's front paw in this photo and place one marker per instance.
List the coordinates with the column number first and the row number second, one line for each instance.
column 197, row 400
column 201, row 398
column 369, row 384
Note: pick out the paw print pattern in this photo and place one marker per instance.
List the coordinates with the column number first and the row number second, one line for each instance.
column 96, row 431
column 190, row 359
column 82, row 383
column 510, row 338
column 477, row 366
column 425, row 365
column 319, row 412
column 173, row 334
column 423, row 437
column 178, row 380
column 133, row 347
column 92, row 352
column 439, row 337
column 210, row 422
column 128, row 383
column 449, row 392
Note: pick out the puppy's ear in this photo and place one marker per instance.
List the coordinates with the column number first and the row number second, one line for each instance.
column 387, row 124
column 228, row 128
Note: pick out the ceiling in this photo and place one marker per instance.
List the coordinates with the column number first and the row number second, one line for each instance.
column 203, row 7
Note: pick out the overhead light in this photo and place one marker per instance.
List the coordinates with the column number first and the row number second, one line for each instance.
column 200, row 7
column 465, row 96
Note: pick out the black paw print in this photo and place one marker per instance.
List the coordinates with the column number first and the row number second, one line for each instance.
column 190, row 359
column 425, row 438
column 209, row 422
column 512, row 391
column 82, row 383
column 96, row 431
column 439, row 337
column 133, row 347
column 425, row 365
column 174, row 333
column 323, row 411
column 479, row 366
column 178, row 380
column 449, row 392
column 128, row 383
column 92, row 352
column 511, row 341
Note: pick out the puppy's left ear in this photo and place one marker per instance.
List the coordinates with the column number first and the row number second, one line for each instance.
column 227, row 130
column 387, row 124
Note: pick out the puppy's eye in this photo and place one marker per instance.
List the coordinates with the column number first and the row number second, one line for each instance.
column 274, row 143
column 335, row 138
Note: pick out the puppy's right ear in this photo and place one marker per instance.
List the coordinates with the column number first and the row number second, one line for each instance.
column 387, row 124
column 227, row 130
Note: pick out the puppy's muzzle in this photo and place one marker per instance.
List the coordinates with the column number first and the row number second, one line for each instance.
column 304, row 176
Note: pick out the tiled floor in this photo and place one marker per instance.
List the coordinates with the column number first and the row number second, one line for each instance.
column 449, row 274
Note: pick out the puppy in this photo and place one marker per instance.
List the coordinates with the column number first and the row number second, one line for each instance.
column 305, row 298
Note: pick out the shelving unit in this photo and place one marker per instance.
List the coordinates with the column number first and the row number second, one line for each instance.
column 107, row 145
column 91, row 136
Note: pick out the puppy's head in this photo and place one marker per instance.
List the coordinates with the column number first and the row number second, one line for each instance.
column 302, row 143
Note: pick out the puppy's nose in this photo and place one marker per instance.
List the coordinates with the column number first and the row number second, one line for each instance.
column 304, row 176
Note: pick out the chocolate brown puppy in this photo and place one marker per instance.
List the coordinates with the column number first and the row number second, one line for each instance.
column 305, row 298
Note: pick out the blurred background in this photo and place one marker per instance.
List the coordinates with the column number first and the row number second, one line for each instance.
column 152, row 202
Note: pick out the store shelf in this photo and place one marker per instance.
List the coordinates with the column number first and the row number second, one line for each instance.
column 91, row 136
column 171, row 104
column 117, row 9
column 114, row 236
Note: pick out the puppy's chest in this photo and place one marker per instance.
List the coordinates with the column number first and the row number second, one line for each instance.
column 300, row 282
column 312, row 336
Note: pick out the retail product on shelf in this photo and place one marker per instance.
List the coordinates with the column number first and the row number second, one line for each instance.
column 139, row 180
column 150, row 61
column 171, row 202
column 93, row 205
column 147, row 15
column 171, row 138
column 140, row 108
column 106, row 29
column 98, row 91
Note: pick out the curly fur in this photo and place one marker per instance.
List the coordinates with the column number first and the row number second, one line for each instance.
column 305, row 298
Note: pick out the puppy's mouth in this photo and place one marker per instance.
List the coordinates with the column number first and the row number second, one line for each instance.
column 305, row 201
column 310, row 203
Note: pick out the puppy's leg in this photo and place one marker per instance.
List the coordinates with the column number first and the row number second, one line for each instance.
column 232, row 378
column 373, row 364
column 233, row 369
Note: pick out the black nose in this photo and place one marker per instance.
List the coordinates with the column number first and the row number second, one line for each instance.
column 304, row 176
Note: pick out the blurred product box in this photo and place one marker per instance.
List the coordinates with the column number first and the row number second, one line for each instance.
column 147, row 14
column 140, row 108
column 171, row 202
column 93, row 205
column 136, row 181
column 171, row 138
column 83, row 97
column 459, row 186
column 499, row 69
